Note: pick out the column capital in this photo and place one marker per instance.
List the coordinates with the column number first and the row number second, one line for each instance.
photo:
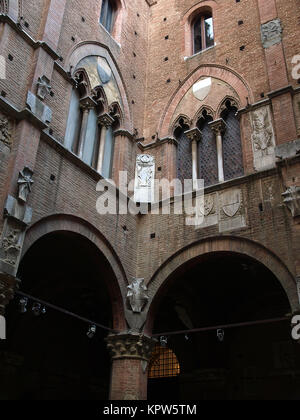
column 218, row 126
column 8, row 285
column 194, row 134
column 130, row 346
column 105, row 120
column 87, row 103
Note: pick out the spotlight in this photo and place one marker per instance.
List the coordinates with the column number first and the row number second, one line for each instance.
column 221, row 335
column 36, row 309
column 23, row 305
column 186, row 337
column 92, row 331
column 163, row 341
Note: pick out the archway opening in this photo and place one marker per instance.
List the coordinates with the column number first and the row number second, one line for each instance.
column 257, row 361
column 50, row 356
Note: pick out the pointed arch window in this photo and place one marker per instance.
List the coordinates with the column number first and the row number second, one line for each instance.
column 232, row 145
column 203, row 32
column 90, row 131
column 207, row 151
column 184, row 161
column 107, row 16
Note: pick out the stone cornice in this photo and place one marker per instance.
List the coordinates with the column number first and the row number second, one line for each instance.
column 158, row 143
column 30, row 41
column 19, row 115
column 124, row 133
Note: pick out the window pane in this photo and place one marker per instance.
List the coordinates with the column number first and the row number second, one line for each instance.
column 74, row 123
column 108, row 153
column 109, row 17
column 209, row 32
column 197, row 36
column 90, row 139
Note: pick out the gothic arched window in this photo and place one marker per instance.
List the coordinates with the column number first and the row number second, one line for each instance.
column 203, row 32
column 232, row 145
column 184, row 161
column 107, row 16
column 207, row 152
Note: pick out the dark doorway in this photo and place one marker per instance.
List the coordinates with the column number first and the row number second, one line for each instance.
column 258, row 362
column 50, row 357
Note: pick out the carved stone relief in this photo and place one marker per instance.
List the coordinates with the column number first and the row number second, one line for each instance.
column 231, row 210
column 5, row 131
column 292, row 200
column 271, row 33
column 24, row 184
column 43, row 87
column 225, row 209
column 136, row 295
column 144, row 179
column 38, row 108
column 263, row 139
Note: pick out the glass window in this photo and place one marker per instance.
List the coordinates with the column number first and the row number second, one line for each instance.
column 203, row 33
column 107, row 12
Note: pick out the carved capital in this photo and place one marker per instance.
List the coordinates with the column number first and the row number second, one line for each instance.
column 194, row 134
column 130, row 346
column 291, row 198
column 87, row 103
column 8, row 285
column 106, row 120
column 218, row 126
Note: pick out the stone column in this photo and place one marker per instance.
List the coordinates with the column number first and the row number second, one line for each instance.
column 130, row 357
column 218, row 128
column 105, row 121
column 194, row 136
column 86, row 104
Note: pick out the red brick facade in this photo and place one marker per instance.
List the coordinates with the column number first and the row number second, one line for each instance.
column 150, row 55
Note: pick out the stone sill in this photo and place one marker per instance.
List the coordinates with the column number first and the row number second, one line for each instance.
column 199, row 53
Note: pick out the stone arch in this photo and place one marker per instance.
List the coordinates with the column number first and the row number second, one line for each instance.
column 225, row 244
column 178, row 122
column 226, row 74
column 70, row 223
column 92, row 48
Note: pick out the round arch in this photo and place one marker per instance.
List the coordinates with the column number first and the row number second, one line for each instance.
column 223, row 73
column 226, row 244
column 73, row 224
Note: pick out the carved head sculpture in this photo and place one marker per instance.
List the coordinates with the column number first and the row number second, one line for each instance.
column 137, row 296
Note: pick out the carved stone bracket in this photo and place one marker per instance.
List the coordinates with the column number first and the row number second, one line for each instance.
column 194, row 134
column 130, row 346
column 218, row 126
column 291, row 198
column 8, row 285
column 136, row 295
column 87, row 103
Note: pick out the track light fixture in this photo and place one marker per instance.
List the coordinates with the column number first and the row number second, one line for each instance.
column 221, row 335
column 92, row 331
column 23, row 305
column 38, row 309
column 163, row 341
